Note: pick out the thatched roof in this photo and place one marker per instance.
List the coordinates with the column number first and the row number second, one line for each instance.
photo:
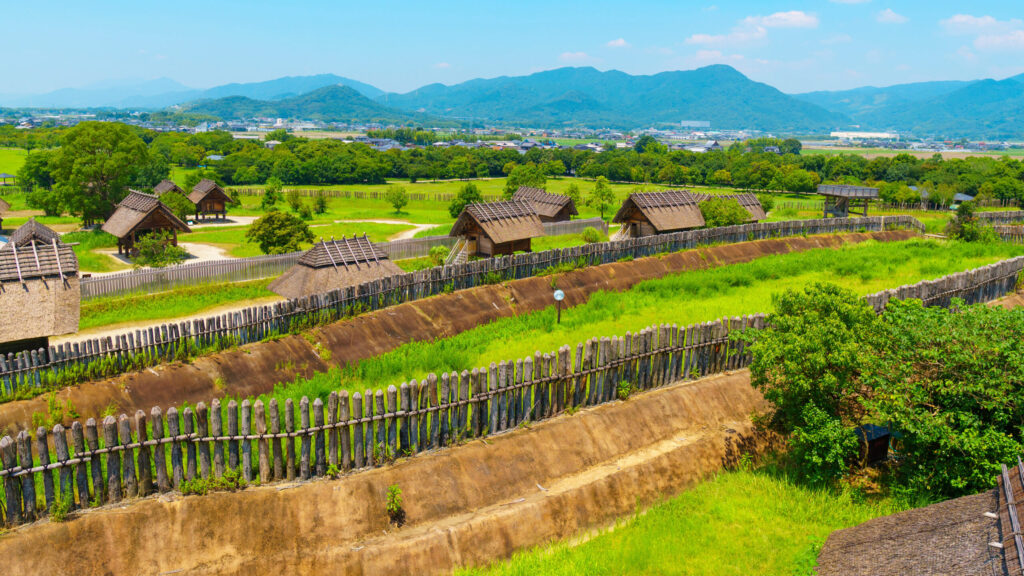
column 207, row 187
column 844, row 191
column 501, row 221
column 946, row 538
column 4, row 206
column 748, row 201
column 32, row 232
column 167, row 186
column 35, row 251
column 135, row 209
column 546, row 205
column 666, row 211
column 332, row 265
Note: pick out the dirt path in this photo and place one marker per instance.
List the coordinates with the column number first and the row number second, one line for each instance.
column 403, row 235
column 467, row 505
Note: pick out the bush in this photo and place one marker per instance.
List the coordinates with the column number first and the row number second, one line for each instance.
column 156, row 250
column 967, row 228
column 279, row 232
column 271, row 194
column 294, row 200
column 767, row 201
column 397, row 197
column 394, row 505
column 61, row 505
column 438, row 254
column 468, row 194
column 723, row 212
column 304, row 212
column 179, row 204
column 590, row 235
column 320, row 202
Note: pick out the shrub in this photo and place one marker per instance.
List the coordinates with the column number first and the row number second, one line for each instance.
column 723, row 212
column 468, row 194
column 767, row 201
column 294, row 200
column 394, row 505
column 305, row 213
column 438, row 254
column 179, row 204
column 156, row 250
column 397, row 197
column 590, row 235
column 61, row 505
column 279, row 232
column 320, row 202
column 271, row 194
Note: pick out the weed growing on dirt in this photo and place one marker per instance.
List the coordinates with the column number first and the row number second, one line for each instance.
column 61, row 506
column 231, row 480
column 394, row 505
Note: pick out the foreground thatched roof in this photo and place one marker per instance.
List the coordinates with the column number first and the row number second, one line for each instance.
column 35, row 251
column 501, row 221
column 666, row 211
column 951, row 537
column 546, row 205
column 136, row 209
column 32, row 232
column 332, row 265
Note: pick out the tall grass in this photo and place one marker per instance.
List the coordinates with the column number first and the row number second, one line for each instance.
column 683, row 298
column 738, row 523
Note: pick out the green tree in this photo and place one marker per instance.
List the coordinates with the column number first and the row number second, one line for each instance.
column 271, row 194
column 97, row 163
column 294, row 199
column 281, row 135
column 156, row 251
column 179, row 204
column 468, row 194
column 554, row 169
column 601, row 197
column 791, row 146
column 320, row 202
column 279, row 232
column 723, row 212
column 720, row 178
column 524, row 175
column 573, row 192
column 193, row 178
column 397, row 197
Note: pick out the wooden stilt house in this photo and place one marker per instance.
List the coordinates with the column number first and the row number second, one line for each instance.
column 497, row 228
column 140, row 214
column 842, row 201
column 549, row 207
column 39, row 292
column 332, row 265
column 650, row 213
column 210, row 199
column 166, row 186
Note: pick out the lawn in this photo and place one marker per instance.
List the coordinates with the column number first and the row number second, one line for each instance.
column 737, row 523
column 683, row 298
column 87, row 242
column 11, row 159
column 232, row 238
column 177, row 303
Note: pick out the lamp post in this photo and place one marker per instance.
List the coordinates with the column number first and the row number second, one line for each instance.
column 559, row 296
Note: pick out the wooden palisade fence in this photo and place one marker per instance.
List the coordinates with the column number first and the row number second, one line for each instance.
column 258, row 267
column 145, row 453
column 106, row 356
column 1001, row 218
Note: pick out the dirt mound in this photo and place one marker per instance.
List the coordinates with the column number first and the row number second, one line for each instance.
column 256, row 368
column 466, row 505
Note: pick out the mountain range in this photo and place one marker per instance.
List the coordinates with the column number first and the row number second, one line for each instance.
column 570, row 97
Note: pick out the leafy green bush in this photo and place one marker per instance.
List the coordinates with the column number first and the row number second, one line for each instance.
column 231, row 480
column 179, row 204
column 590, row 235
column 438, row 254
column 723, row 212
column 397, row 197
column 156, row 250
column 966, row 226
column 468, row 194
column 279, row 233
column 394, row 505
column 767, row 201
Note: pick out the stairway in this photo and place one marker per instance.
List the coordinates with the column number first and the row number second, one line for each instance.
column 459, row 253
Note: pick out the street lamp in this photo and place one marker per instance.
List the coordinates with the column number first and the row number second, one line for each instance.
column 559, row 296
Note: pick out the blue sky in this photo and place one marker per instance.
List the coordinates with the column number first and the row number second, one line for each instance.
column 397, row 46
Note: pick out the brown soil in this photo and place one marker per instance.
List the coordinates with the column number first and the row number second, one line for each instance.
column 1010, row 301
column 256, row 368
column 467, row 505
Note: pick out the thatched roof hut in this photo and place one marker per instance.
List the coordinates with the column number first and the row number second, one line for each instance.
column 649, row 213
column 841, row 200
column 747, row 201
column 38, row 288
column 332, row 265
column 139, row 214
column 549, row 207
column 209, row 198
column 166, row 186
column 497, row 228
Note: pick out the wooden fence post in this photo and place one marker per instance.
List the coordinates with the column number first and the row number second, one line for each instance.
column 318, row 445
column 263, row 445
column 113, row 459
column 306, row 440
column 81, row 469
column 203, row 431
column 289, row 428
column 145, row 469
column 344, row 434
column 124, row 427
column 43, row 448
column 246, row 431
column 357, row 429
column 28, row 484
column 159, row 451
column 275, row 429
column 173, row 431
column 217, row 431
column 10, row 461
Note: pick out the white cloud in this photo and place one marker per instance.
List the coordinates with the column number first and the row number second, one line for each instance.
column 572, row 56
column 968, row 24
column 887, row 16
column 1009, row 41
column 791, row 19
column 965, row 54
column 618, row 43
column 756, row 28
column 442, row 65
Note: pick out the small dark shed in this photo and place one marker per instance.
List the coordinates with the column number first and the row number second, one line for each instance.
column 332, row 265
column 498, row 228
column 650, row 213
column 841, row 201
column 549, row 207
column 874, row 442
column 210, row 199
column 139, row 214
column 166, row 186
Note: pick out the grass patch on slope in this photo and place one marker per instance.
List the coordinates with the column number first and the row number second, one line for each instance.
column 683, row 298
column 738, row 523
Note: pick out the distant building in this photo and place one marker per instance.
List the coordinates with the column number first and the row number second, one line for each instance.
column 167, row 186
column 271, row 144
column 333, row 265
column 39, row 292
column 498, row 228
column 650, row 213
column 140, row 214
column 549, row 207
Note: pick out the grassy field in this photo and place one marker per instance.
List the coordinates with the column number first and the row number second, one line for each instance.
column 683, row 298
column 11, row 159
column 109, row 311
column 232, row 238
column 737, row 523
column 88, row 259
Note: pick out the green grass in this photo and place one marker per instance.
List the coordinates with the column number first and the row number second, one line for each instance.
column 737, row 523
column 11, row 159
column 232, row 238
column 177, row 303
column 564, row 241
column 683, row 298
column 88, row 259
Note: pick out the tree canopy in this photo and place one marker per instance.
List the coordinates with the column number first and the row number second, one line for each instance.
column 279, row 232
